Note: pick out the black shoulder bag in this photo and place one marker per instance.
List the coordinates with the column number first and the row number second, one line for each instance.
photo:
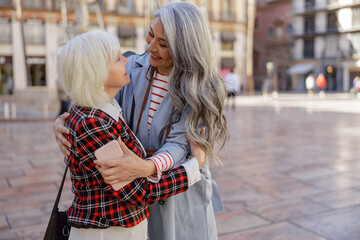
column 58, row 228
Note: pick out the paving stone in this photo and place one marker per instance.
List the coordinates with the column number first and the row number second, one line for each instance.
column 228, row 222
column 334, row 182
column 341, row 224
column 281, row 210
column 278, row 231
column 291, row 190
column 338, row 198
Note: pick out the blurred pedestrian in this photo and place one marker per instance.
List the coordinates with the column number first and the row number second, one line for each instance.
column 321, row 84
column 233, row 86
column 310, row 84
column 355, row 90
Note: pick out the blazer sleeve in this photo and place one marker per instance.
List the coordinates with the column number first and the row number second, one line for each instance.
column 94, row 133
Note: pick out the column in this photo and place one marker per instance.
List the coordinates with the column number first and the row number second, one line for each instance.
column 216, row 9
column 18, row 58
column 217, row 47
column 51, row 43
column 139, row 7
column 346, row 79
column 140, row 40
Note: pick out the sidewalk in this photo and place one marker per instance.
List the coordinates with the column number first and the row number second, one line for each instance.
column 290, row 171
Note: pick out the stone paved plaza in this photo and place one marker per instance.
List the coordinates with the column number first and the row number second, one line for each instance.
column 290, row 171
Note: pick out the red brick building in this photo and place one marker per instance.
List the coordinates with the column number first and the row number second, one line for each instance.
column 272, row 44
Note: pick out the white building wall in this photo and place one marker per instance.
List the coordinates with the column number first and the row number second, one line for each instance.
column 298, row 49
column 217, row 46
column 216, row 9
column 319, row 47
column 298, row 25
column 140, row 40
column 240, row 59
column 241, row 10
column 320, row 22
column 19, row 68
column 298, row 5
column 320, row 4
column 51, row 43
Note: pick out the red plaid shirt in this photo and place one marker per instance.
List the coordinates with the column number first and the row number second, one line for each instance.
column 96, row 204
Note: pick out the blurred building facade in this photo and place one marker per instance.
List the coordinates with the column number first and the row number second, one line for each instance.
column 326, row 40
column 29, row 66
column 272, row 44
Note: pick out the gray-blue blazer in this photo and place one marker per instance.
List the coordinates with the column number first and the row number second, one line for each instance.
column 188, row 215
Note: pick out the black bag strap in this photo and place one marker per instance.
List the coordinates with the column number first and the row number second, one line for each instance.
column 60, row 190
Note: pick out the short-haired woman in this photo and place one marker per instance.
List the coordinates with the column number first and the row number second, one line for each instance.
column 175, row 89
column 93, row 71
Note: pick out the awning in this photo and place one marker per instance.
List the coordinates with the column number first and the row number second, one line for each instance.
column 228, row 36
column 227, row 63
column 301, row 68
column 126, row 32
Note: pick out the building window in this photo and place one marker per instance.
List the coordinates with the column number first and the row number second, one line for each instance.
column 333, row 2
column 279, row 32
column 37, row 76
column 309, row 48
column 37, row 4
column 127, row 37
column 34, row 31
column 331, row 46
column 256, row 26
column 309, row 4
column 289, row 29
column 355, row 43
column 5, row 3
column 6, row 76
column 125, row 6
column 227, row 14
column 270, row 32
column 5, row 30
column 310, row 25
column 70, row 5
column 227, row 46
column 356, row 17
column 332, row 22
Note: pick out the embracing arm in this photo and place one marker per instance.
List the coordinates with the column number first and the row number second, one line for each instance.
column 140, row 191
column 59, row 130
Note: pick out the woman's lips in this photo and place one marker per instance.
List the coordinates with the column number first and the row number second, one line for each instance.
column 155, row 58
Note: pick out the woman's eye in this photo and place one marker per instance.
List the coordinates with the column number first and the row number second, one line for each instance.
column 150, row 34
column 162, row 45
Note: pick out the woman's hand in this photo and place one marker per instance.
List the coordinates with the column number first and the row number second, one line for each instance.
column 196, row 149
column 59, row 130
column 127, row 168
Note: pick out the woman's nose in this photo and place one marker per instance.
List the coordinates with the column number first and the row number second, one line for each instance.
column 152, row 46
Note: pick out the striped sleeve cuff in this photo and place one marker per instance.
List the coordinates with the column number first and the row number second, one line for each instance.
column 163, row 162
column 192, row 170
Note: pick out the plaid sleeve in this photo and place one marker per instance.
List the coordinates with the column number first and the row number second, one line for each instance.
column 141, row 192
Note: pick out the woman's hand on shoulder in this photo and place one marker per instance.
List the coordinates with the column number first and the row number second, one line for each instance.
column 59, row 130
column 197, row 150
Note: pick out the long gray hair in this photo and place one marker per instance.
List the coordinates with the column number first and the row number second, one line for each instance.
column 195, row 85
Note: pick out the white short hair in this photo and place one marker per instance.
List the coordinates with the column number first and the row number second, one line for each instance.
column 84, row 64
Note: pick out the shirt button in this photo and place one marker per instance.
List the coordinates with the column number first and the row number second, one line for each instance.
column 161, row 202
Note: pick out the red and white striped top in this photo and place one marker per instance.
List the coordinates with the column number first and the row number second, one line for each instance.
column 163, row 161
column 159, row 89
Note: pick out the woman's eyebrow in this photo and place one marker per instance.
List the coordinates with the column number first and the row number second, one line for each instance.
column 154, row 34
